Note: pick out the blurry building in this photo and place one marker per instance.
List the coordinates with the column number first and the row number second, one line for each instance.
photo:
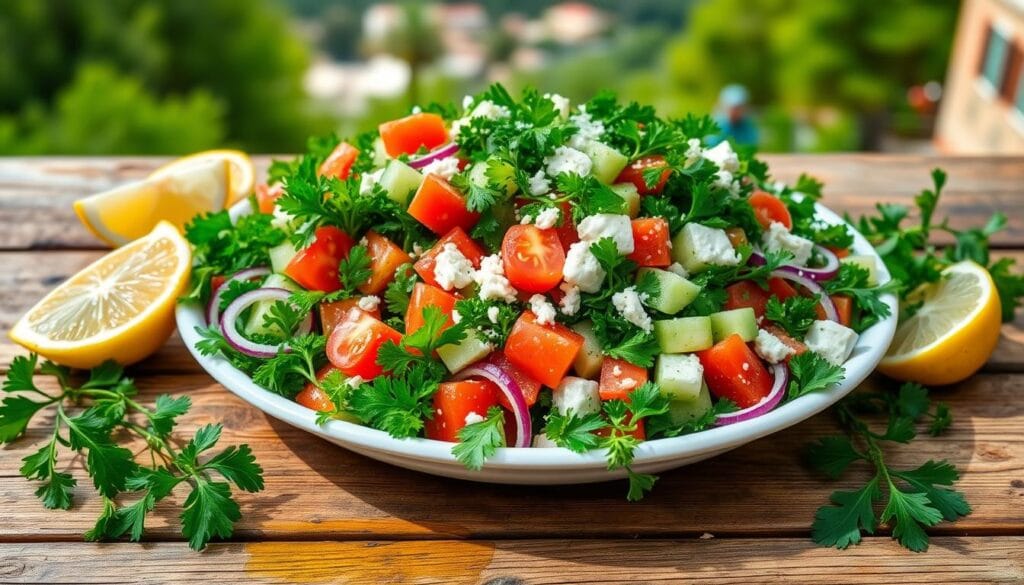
column 983, row 103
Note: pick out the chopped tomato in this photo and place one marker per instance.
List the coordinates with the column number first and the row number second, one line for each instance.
column 454, row 401
column 567, row 233
column 441, row 207
column 533, row 258
column 385, row 258
column 737, row 237
column 354, row 343
column 634, row 173
column 333, row 313
column 313, row 397
column 216, row 282
column 409, row 134
column 339, row 163
column 839, row 252
column 423, row 296
column 780, row 288
column 529, row 386
column 315, row 267
column 470, row 249
column 543, row 352
column 619, row 378
column 746, row 293
column 266, row 197
column 769, row 209
column 791, row 343
column 844, row 307
column 732, row 370
column 650, row 239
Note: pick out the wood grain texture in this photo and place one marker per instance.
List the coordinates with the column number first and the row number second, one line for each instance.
column 316, row 490
column 522, row 562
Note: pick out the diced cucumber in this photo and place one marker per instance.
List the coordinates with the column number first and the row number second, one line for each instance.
column 588, row 360
column 680, row 377
column 741, row 321
column 281, row 255
column 478, row 175
column 380, row 154
column 867, row 263
column 608, row 162
column 457, row 356
column 675, row 292
column 684, row 334
column 254, row 324
column 684, row 411
column 632, row 197
column 400, row 181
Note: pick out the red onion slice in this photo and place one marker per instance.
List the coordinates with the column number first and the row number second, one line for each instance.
column 234, row 337
column 213, row 307
column 819, row 273
column 814, row 288
column 781, row 381
column 510, row 388
column 436, row 154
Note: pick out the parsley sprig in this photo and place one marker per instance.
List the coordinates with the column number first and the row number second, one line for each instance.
column 89, row 420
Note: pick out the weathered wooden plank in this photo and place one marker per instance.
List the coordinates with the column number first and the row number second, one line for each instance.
column 521, row 562
column 36, row 193
column 318, row 491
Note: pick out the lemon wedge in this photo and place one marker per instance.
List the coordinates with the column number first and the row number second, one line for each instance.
column 130, row 211
column 120, row 307
column 243, row 173
column 952, row 334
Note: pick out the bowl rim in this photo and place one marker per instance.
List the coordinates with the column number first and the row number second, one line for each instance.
column 869, row 350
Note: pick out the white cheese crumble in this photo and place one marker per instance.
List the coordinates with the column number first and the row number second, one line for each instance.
column 527, row 219
column 570, row 303
column 452, row 269
column 446, row 167
column 832, row 341
column 456, row 316
column 588, row 129
column 576, row 395
column 283, row 220
column 539, row 184
column 355, row 381
column 561, row 103
column 493, row 283
column 542, row 441
column 543, row 309
column 582, row 268
column 607, row 225
column 368, row 180
column 771, row 348
column 473, row 418
column 710, row 245
column 694, row 151
column 548, row 218
column 568, row 160
column 778, row 238
column 677, row 268
column 492, row 314
column 629, row 304
column 723, row 156
column 369, row 303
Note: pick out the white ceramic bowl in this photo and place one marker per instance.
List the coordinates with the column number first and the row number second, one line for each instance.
column 551, row 466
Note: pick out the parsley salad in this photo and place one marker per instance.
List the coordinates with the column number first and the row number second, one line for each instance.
column 530, row 273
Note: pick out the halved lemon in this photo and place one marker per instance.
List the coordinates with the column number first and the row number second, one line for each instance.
column 953, row 333
column 243, row 173
column 120, row 307
column 131, row 211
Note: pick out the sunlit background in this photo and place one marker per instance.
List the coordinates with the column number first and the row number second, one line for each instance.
column 172, row 76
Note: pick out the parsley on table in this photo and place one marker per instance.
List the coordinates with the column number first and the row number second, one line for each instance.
column 915, row 499
column 88, row 421
column 480, row 440
column 796, row 314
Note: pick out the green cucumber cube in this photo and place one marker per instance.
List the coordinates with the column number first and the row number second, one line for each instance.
column 608, row 162
column 867, row 263
column 674, row 291
column 457, row 356
column 680, row 377
column 589, row 358
column 683, row 334
column 681, row 412
column 740, row 321
column 281, row 255
column 631, row 196
column 400, row 181
column 380, row 154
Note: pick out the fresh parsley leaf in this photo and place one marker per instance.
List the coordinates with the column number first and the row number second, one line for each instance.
column 841, row 525
column 795, row 314
column 480, row 440
column 398, row 291
column 398, row 404
column 574, row 432
column 809, row 372
column 832, row 455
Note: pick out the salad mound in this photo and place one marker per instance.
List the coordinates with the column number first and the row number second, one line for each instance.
column 530, row 273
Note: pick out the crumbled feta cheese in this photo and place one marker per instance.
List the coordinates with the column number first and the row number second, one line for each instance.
column 492, row 314
column 723, row 156
column 527, row 219
column 576, row 395
column 283, row 220
column 488, row 109
column 542, row 441
column 355, row 381
column 467, row 101
column 446, row 167
column 452, row 269
column 588, row 129
column 492, row 281
column 456, row 316
column 830, row 340
column 694, row 151
column 543, row 309
column 771, row 348
column 568, row 160
column 548, row 218
column 710, row 245
column 369, row 303
column 561, row 103
column 368, row 180
column 629, row 304
column 582, row 268
column 677, row 268
column 570, row 303
column 724, row 180
column 539, row 184
column 417, row 250
column 777, row 238
column 473, row 418
column 607, row 225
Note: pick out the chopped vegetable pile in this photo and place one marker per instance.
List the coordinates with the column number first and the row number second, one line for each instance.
column 526, row 273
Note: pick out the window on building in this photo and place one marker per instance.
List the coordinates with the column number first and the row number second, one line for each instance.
column 993, row 64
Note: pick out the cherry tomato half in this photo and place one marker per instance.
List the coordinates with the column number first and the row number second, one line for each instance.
column 355, row 342
column 533, row 258
column 769, row 208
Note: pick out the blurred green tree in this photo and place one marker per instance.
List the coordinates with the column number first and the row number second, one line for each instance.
column 231, row 67
column 415, row 40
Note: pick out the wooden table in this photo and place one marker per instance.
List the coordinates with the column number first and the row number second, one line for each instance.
column 328, row 515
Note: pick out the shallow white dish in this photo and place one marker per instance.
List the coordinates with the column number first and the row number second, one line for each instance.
column 551, row 466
